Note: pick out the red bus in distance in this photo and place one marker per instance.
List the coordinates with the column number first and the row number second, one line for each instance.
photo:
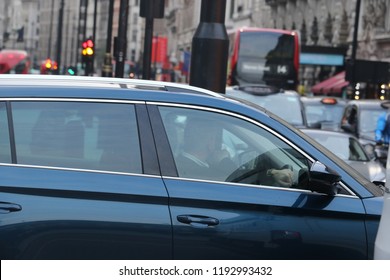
column 264, row 56
column 14, row 62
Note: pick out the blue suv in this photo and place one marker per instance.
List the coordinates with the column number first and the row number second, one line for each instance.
column 100, row 168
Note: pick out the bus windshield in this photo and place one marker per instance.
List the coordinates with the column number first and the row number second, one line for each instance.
column 265, row 57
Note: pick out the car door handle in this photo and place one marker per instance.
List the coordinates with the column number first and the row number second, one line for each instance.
column 197, row 220
column 6, row 207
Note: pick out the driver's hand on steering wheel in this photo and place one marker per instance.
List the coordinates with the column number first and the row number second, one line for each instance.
column 282, row 177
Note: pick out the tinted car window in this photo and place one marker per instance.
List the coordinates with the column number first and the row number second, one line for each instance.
column 228, row 149
column 93, row 136
column 5, row 149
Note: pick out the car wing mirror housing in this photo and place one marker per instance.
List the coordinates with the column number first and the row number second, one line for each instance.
column 322, row 179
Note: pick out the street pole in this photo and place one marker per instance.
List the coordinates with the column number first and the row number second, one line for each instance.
column 59, row 37
column 82, row 27
column 149, row 9
column 354, row 42
column 147, row 48
column 67, row 37
column 50, row 30
column 210, row 46
column 107, row 66
column 122, row 32
column 94, row 37
column 85, row 19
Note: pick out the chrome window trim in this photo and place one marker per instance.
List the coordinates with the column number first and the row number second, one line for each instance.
column 78, row 170
column 351, row 195
column 236, row 184
column 347, row 189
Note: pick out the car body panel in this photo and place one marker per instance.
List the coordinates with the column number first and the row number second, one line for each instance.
column 252, row 225
column 86, row 215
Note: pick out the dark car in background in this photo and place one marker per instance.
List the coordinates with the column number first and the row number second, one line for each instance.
column 283, row 103
column 323, row 112
column 348, row 148
column 92, row 168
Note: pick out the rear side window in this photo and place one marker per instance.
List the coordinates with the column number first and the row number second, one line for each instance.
column 93, row 136
column 5, row 149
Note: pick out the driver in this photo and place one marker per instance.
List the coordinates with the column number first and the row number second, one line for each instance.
column 203, row 156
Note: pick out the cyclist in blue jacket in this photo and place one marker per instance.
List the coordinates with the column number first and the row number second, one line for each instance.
column 382, row 131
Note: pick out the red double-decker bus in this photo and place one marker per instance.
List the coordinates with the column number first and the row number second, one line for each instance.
column 264, row 56
column 14, row 62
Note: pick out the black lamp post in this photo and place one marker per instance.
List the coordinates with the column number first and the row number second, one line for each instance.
column 210, row 47
column 107, row 66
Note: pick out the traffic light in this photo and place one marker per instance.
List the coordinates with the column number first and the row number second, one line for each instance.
column 88, row 49
column 48, row 64
column 71, row 70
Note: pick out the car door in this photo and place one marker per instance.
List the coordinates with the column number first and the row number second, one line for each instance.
column 243, row 214
column 80, row 180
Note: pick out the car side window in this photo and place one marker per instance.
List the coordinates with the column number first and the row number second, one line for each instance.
column 82, row 135
column 5, row 147
column 213, row 146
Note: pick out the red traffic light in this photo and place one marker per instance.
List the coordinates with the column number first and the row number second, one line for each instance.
column 90, row 43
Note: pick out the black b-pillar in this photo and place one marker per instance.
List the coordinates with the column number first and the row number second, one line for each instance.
column 210, row 47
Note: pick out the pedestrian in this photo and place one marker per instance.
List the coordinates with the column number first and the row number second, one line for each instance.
column 382, row 131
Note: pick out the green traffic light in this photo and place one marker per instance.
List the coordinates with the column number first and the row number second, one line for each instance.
column 71, row 71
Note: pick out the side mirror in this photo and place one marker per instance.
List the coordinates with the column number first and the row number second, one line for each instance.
column 322, row 179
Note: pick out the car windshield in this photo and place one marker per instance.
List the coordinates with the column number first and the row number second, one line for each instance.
column 286, row 107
